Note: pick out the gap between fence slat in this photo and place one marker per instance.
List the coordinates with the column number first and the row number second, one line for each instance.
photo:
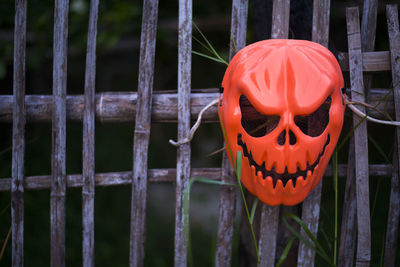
column 227, row 203
column 58, row 181
column 311, row 205
column 363, row 257
column 394, row 206
column 160, row 175
column 142, row 132
column 88, row 154
column 18, row 145
column 183, row 155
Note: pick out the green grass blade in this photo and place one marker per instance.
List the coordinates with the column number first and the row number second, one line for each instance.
column 207, row 56
column 317, row 248
column 377, row 146
column 210, row 45
column 253, row 209
column 335, row 178
column 285, row 251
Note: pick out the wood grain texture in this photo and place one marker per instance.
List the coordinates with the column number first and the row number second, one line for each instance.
column 280, row 19
column 88, row 153
column 121, row 106
column 267, row 241
column 142, row 132
column 161, row 175
column 183, row 154
column 311, row 205
column 58, row 180
column 227, row 203
column 372, row 61
column 368, row 32
column 18, row 133
column 394, row 206
column 363, row 257
column 349, row 223
column 268, row 234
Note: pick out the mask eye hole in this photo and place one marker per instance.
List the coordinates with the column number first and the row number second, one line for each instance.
column 315, row 123
column 255, row 123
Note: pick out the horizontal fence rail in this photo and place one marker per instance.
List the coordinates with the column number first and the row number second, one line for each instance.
column 161, row 175
column 121, row 106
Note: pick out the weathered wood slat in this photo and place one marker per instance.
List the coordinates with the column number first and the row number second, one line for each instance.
column 58, row 168
column 394, row 205
column 311, row 205
column 88, row 167
column 18, row 145
column 280, row 19
column 121, row 107
column 372, row 61
column 268, row 234
column 360, row 139
column 142, row 132
column 161, row 175
column 227, row 203
column 183, row 155
column 368, row 31
column 267, row 241
column 348, row 233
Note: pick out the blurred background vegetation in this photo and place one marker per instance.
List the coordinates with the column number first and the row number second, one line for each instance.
column 117, row 67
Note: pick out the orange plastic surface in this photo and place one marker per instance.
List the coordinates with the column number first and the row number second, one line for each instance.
column 285, row 78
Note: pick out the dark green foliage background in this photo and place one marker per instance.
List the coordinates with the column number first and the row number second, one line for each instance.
column 117, row 68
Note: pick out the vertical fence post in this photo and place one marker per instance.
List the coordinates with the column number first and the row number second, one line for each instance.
column 58, row 173
column 394, row 206
column 142, row 132
column 18, row 146
column 88, row 169
column 311, row 205
column 360, row 138
column 270, row 215
column 183, row 155
column 227, row 204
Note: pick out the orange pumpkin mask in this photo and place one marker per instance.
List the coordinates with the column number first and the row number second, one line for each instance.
column 283, row 108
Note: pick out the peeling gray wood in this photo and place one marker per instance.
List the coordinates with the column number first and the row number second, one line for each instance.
column 142, row 132
column 238, row 26
column 183, row 153
column 58, row 180
column 394, row 206
column 121, row 107
column 267, row 241
column 368, row 31
column 268, row 234
column 363, row 257
column 280, row 19
column 311, row 205
column 18, row 145
column 349, row 223
column 227, row 203
column 161, row 175
column 372, row 61
column 226, row 216
column 88, row 161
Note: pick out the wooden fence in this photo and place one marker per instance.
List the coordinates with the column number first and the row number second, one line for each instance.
column 182, row 106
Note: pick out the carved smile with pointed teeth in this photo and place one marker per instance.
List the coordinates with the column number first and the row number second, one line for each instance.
column 286, row 176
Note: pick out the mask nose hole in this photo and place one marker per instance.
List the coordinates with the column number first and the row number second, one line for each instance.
column 282, row 138
column 292, row 138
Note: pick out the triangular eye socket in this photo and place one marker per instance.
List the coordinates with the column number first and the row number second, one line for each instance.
column 255, row 123
column 315, row 123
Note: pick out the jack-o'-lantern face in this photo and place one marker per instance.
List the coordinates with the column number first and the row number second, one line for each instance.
column 282, row 107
